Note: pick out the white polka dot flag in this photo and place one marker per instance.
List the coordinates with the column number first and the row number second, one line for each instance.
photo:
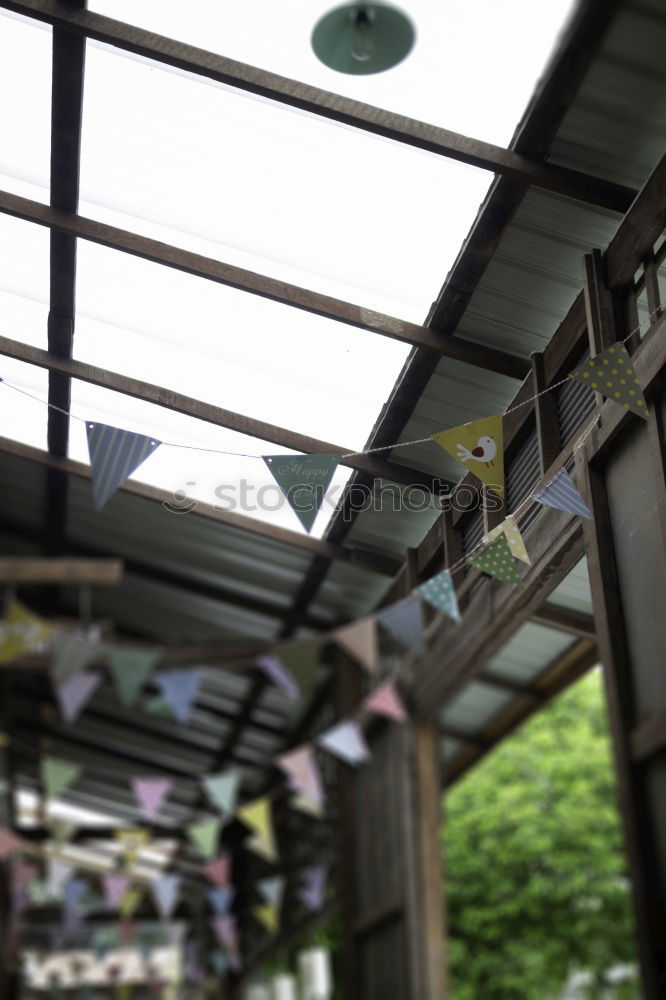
column 496, row 560
column 561, row 493
column 440, row 592
column 386, row 701
column 611, row 373
column 511, row 531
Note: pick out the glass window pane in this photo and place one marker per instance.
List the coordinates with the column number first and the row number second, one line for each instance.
column 25, row 109
column 271, row 189
column 473, row 68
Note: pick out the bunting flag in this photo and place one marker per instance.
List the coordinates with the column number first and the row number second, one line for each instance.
column 165, row 891
column 479, row 446
column 386, row 701
column 20, row 632
column 511, row 531
column 129, row 904
column 308, row 806
column 278, row 674
column 115, row 887
column 301, row 658
column 72, row 923
column 219, row 871
column 75, row 694
column 58, row 775
column 221, row 899
column 62, row 830
column 268, row 916
column 205, row 835
column 257, row 817
column 222, row 790
column 219, row 961
column 180, row 688
column 303, row 480
column 226, row 932
column 133, row 840
column 272, row 890
column 345, row 741
column 302, row 773
column 72, row 652
column 496, row 560
column 9, row 843
column 75, row 891
column 612, row 374
column 561, row 493
column 360, row 640
column 440, row 592
column 59, row 872
column 313, row 888
column 114, row 455
column 150, row 793
column 404, row 621
column 130, row 669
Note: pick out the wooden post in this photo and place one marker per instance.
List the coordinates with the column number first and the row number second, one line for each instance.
column 625, row 488
column 547, row 421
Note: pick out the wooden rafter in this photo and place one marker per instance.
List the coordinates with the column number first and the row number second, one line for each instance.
column 217, row 415
column 526, row 168
column 71, row 225
column 29, row 569
column 376, row 562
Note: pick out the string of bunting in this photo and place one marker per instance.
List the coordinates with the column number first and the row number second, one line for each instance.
column 115, row 454
column 290, row 665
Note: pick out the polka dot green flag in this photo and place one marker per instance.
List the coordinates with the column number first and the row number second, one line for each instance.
column 441, row 594
column 496, row 560
column 612, row 374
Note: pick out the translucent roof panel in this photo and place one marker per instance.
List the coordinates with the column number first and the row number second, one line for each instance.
column 274, row 190
column 470, row 69
column 25, row 111
column 238, row 351
column 24, row 281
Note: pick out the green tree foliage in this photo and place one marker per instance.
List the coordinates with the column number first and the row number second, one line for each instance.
column 535, row 872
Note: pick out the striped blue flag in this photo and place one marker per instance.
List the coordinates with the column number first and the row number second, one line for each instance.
column 404, row 621
column 114, row 455
column 561, row 493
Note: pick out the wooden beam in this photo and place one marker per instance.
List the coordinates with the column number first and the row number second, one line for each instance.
column 437, row 140
column 72, row 225
column 29, row 569
column 649, row 737
column 558, row 675
column 375, row 562
column 565, row 620
column 212, row 414
column 67, row 72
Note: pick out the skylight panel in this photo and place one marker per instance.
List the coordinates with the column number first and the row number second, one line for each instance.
column 25, row 109
column 269, row 188
column 473, row 68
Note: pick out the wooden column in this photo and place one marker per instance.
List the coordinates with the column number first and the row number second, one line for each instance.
column 547, row 420
column 625, row 488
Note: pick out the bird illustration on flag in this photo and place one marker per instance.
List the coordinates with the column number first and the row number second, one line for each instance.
column 485, row 451
column 479, row 447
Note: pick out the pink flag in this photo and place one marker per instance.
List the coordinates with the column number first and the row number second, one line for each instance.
column 150, row 794
column 386, row 701
column 302, row 773
column 218, row 871
column 9, row 844
column 75, row 694
column 115, row 887
column 227, row 934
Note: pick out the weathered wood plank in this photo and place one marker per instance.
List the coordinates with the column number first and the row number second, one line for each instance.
column 29, row 569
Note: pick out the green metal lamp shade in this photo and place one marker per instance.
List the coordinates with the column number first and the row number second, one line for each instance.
column 362, row 38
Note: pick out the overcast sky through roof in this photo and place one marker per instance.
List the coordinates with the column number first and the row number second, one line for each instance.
column 256, row 184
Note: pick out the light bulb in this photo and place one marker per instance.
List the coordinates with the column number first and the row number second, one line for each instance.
column 363, row 46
